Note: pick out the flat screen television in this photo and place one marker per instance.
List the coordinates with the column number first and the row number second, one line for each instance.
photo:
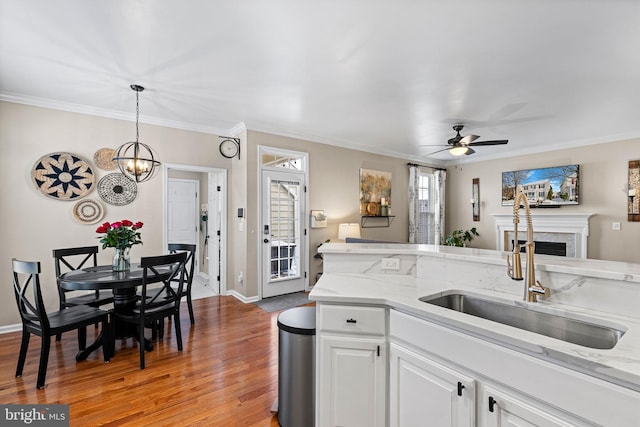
column 546, row 187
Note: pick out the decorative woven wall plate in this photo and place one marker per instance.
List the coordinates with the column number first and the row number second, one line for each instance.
column 88, row 211
column 63, row 176
column 103, row 158
column 117, row 189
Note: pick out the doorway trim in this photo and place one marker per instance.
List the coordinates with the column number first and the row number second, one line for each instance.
column 216, row 177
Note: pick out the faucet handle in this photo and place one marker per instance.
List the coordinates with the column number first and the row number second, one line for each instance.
column 540, row 290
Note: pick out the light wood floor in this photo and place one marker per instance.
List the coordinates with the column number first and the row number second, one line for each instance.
column 227, row 374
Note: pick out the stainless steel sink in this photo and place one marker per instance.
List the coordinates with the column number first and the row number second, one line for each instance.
column 575, row 331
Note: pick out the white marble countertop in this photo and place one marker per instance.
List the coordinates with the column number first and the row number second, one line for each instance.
column 620, row 365
column 614, row 270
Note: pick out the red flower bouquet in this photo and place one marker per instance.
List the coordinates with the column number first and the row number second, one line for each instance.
column 120, row 234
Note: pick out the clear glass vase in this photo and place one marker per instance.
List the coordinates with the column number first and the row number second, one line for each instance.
column 121, row 260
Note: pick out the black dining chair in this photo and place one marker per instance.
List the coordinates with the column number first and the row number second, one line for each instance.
column 189, row 267
column 36, row 320
column 190, row 250
column 154, row 306
column 69, row 259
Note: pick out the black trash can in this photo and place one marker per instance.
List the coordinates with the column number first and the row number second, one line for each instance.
column 296, row 367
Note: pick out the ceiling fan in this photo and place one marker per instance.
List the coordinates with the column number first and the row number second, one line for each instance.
column 459, row 145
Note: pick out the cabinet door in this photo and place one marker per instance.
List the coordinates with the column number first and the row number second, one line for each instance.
column 351, row 382
column 426, row 393
column 501, row 409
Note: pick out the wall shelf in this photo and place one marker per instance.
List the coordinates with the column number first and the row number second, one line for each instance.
column 376, row 221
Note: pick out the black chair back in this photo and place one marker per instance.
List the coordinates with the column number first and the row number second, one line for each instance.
column 154, row 268
column 85, row 256
column 69, row 259
column 26, row 278
column 190, row 263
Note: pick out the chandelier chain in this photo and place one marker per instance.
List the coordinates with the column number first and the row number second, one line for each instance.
column 137, row 115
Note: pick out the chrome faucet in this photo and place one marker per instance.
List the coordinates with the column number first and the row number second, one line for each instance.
column 532, row 287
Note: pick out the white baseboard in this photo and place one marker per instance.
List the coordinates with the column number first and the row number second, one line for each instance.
column 10, row 328
column 244, row 299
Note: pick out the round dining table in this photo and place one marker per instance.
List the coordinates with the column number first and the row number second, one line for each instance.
column 123, row 284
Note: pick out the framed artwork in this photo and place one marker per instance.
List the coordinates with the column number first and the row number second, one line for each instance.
column 545, row 187
column 633, row 206
column 475, row 198
column 375, row 192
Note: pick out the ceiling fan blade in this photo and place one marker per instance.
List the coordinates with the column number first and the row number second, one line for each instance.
column 468, row 139
column 496, row 142
column 432, row 145
column 469, row 151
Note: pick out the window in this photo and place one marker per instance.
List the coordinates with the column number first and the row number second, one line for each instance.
column 425, row 220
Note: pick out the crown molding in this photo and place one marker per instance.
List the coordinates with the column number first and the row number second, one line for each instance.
column 110, row 114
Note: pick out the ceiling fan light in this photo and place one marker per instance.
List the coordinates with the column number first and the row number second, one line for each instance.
column 458, row 151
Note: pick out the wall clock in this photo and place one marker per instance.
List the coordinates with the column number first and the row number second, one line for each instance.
column 230, row 147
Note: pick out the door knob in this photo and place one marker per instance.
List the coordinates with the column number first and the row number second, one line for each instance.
column 266, row 240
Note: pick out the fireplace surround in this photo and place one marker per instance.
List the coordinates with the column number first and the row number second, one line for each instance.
column 569, row 228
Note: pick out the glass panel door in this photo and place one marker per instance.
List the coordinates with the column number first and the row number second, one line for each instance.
column 282, row 232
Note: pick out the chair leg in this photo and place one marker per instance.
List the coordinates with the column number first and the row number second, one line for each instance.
column 107, row 351
column 154, row 330
column 23, row 352
column 58, row 337
column 82, row 338
column 176, row 323
column 44, row 361
column 141, row 344
column 190, row 306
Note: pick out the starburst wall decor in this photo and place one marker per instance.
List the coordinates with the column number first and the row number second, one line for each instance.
column 63, row 176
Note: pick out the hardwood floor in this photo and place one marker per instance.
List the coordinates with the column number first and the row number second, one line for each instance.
column 227, row 374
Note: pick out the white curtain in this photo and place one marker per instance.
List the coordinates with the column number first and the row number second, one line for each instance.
column 426, row 205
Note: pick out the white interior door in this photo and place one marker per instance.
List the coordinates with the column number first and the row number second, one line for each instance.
column 282, row 228
column 182, row 211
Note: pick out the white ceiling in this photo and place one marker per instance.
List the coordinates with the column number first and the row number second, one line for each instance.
column 381, row 76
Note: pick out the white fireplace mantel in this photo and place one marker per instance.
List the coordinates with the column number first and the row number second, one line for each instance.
column 543, row 222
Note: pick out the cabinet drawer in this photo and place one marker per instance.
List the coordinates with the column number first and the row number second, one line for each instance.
column 352, row 320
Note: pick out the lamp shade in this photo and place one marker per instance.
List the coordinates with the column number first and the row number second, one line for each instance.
column 349, row 229
column 459, row 151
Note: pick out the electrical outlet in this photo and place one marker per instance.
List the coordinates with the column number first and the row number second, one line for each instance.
column 390, row 263
column 615, row 226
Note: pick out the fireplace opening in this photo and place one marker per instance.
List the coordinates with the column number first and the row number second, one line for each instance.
column 544, row 248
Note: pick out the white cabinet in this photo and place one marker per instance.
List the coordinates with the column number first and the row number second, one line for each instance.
column 502, row 409
column 352, row 366
column 425, row 393
column 511, row 388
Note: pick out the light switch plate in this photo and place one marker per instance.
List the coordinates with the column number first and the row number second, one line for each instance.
column 615, row 226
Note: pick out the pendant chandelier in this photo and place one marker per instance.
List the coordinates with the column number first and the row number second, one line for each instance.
column 136, row 160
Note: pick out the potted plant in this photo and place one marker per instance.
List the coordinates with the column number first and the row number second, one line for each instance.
column 460, row 237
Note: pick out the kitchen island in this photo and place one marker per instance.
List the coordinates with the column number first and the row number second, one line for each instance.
column 408, row 359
